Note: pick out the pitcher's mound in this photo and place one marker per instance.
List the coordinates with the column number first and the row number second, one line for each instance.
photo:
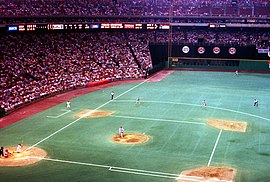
column 130, row 138
column 207, row 173
column 22, row 158
column 87, row 113
column 239, row 126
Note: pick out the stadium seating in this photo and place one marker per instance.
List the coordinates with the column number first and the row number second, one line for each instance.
column 36, row 66
column 42, row 64
column 244, row 8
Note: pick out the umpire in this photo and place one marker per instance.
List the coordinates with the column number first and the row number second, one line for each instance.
column 2, row 151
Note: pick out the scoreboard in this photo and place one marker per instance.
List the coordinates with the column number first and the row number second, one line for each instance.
column 85, row 26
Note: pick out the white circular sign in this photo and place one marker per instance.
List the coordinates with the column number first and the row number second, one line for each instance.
column 185, row 49
column 216, row 50
column 232, row 50
column 201, row 50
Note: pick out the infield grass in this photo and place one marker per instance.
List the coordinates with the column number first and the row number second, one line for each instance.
column 170, row 113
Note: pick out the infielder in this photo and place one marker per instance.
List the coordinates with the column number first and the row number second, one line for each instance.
column 204, row 103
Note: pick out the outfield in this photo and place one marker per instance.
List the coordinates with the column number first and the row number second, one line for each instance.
column 170, row 113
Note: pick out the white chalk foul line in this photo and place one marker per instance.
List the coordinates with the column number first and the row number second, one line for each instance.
column 71, row 162
column 144, row 174
column 215, row 146
column 153, row 119
column 59, row 115
column 116, row 169
column 131, row 171
column 84, row 115
column 144, row 171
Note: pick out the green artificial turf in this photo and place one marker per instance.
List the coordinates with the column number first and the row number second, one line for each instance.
column 170, row 113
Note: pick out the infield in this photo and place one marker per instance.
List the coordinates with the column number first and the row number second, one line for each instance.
column 170, row 114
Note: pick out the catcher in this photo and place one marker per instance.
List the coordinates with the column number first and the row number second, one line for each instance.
column 6, row 153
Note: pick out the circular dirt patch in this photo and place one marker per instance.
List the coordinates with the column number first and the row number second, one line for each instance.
column 230, row 125
column 207, row 173
column 23, row 158
column 130, row 138
column 93, row 114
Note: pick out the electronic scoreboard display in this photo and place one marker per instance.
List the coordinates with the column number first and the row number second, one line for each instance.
column 86, row 26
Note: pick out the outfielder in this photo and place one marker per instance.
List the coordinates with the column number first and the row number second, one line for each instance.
column 256, row 103
column 138, row 101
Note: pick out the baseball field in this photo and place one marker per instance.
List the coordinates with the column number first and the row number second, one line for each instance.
column 168, row 136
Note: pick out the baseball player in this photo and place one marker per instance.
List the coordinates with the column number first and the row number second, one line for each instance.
column 138, row 101
column 256, row 103
column 112, row 94
column 121, row 132
column 2, row 151
column 204, row 103
column 68, row 105
column 19, row 148
column 6, row 153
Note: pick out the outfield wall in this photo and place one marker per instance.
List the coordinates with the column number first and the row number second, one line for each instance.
column 212, row 57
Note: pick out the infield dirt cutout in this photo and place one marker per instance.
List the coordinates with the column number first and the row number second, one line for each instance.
column 94, row 114
column 208, row 173
column 23, row 158
column 130, row 138
column 238, row 126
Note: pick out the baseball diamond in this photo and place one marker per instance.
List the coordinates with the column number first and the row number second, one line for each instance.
column 135, row 90
column 225, row 141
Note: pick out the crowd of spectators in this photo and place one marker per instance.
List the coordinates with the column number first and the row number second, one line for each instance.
column 38, row 65
column 207, row 36
column 41, row 64
column 139, row 43
column 261, row 39
column 245, row 8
